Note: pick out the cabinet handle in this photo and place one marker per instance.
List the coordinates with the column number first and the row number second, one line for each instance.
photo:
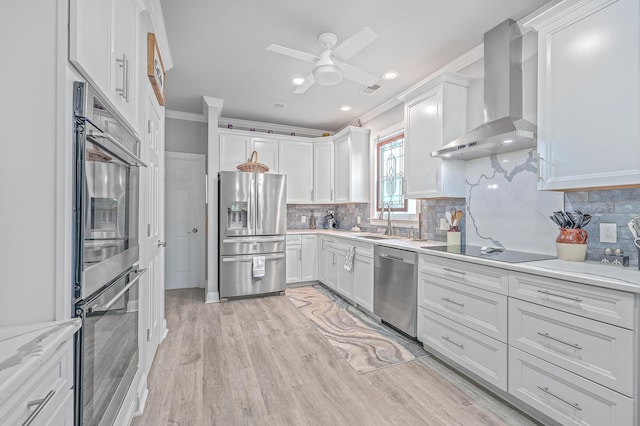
column 548, row 293
column 40, row 406
column 452, row 342
column 453, row 271
column 571, row 404
column 124, row 64
column 446, row 299
column 573, row 345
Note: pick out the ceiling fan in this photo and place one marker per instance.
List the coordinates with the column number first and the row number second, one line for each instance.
column 329, row 67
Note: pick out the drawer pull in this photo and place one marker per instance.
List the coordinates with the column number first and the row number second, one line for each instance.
column 573, row 345
column 571, row 404
column 548, row 293
column 452, row 342
column 40, row 405
column 446, row 299
column 453, row 271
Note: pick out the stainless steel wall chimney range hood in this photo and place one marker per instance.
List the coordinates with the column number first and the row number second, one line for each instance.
column 504, row 129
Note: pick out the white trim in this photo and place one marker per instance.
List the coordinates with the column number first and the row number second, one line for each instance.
column 184, row 155
column 279, row 128
column 213, row 297
column 211, row 102
column 389, row 132
column 157, row 22
column 186, row 116
column 548, row 13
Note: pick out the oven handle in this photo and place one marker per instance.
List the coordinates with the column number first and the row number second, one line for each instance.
column 102, row 135
column 117, row 297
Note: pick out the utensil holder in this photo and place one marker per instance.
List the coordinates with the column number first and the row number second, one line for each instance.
column 453, row 238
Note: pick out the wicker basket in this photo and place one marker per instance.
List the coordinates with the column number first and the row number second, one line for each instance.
column 252, row 165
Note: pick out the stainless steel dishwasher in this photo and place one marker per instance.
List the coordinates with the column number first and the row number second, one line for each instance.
column 395, row 288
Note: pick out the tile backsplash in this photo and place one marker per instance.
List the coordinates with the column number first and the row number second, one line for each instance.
column 345, row 214
column 607, row 206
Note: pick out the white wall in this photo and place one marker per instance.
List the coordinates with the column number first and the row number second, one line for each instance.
column 186, row 136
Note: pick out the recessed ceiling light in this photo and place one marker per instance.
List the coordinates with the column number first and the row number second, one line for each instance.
column 345, row 108
column 279, row 105
column 298, row 81
column 391, row 75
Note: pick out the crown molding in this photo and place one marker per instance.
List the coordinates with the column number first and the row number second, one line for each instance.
column 154, row 8
column 187, row 116
column 237, row 123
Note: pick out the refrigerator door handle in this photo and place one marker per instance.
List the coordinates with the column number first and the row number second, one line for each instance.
column 250, row 258
column 250, row 240
column 253, row 205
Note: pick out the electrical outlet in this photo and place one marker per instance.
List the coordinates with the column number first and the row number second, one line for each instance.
column 304, row 219
column 608, row 233
column 358, row 220
column 444, row 225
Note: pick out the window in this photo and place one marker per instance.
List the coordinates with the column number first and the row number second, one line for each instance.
column 390, row 173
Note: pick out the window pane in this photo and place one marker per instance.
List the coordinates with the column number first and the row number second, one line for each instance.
column 391, row 174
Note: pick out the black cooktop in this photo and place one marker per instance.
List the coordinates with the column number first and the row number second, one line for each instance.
column 509, row 256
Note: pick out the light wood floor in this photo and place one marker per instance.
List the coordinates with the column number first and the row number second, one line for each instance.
column 260, row 361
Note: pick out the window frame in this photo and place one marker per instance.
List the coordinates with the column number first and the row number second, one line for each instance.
column 390, row 138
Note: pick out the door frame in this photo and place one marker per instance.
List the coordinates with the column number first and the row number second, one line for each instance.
column 202, row 224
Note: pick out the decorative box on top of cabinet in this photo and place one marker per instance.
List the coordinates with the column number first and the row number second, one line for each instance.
column 102, row 46
column 433, row 119
column 588, row 95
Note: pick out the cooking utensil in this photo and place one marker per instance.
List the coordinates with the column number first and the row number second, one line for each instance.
column 449, row 218
column 632, row 229
column 459, row 214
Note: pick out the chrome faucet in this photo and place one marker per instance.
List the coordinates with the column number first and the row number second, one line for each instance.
column 389, row 230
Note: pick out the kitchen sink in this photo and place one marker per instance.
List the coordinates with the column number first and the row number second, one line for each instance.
column 374, row 237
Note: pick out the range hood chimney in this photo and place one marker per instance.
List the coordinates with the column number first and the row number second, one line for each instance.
column 504, row 129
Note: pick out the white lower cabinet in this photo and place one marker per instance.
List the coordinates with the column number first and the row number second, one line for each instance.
column 293, row 255
column 363, row 281
column 309, row 258
column 344, row 284
column 564, row 396
column 592, row 349
column 477, row 353
column 331, row 266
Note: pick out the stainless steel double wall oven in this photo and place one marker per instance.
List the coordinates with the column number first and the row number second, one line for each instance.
column 105, row 253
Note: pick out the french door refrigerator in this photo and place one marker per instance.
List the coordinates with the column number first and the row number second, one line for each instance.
column 252, row 223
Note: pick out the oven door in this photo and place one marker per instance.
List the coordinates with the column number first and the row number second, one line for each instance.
column 107, row 351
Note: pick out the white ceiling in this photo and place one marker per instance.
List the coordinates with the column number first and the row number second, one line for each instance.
column 218, row 49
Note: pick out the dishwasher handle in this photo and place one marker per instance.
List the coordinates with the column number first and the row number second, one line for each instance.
column 388, row 256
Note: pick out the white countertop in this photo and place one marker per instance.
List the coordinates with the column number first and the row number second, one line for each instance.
column 24, row 348
column 591, row 273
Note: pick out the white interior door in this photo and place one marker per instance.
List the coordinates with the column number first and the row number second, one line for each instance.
column 152, row 226
column 185, row 227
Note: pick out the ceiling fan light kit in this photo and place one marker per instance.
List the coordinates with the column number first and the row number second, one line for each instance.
column 328, row 75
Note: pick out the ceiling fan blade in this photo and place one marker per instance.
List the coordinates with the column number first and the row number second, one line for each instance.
column 354, row 44
column 308, row 82
column 357, row 75
column 303, row 56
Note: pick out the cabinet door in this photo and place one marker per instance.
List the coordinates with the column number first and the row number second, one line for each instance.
column 234, row 150
column 296, row 162
column 344, row 284
column 293, row 260
column 332, row 268
column 309, row 267
column 363, row 281
column 267, row 150
column 90, row 40
column 124, row 64
column 323, row 172
column 322, row 256
column 342, row 170
column 588, row 97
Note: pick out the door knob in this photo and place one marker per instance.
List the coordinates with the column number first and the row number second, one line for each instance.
column 194, row 230
column 162, row 243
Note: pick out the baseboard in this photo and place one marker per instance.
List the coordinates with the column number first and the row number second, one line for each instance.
column 165, row 330
column 132, row 305
column 130, row 403
column 142, row 394
column 213, row 297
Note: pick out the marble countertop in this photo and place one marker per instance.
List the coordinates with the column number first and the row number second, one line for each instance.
column 590, row 273
column 24, row 348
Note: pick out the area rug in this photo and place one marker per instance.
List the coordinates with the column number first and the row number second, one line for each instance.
column 366, row 344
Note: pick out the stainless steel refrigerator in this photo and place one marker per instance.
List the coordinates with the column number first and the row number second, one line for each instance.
column 252, row 223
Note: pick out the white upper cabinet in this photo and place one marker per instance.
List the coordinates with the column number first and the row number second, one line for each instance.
column 352, row 166
column 102, row 45
column 432, row 120
column 267, row 150
column 323, row 172
column 296, row 162
column 234, row 150
column 588, row 98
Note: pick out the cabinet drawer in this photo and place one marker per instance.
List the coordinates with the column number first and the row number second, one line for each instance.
column 474, row 351
column 485, row 277
column 362, row 248
column 564, row 396
column 478, row 309
column 327, row 242
column 602, row 304
column 597, row 351
column 294, row 240
column 52, row 382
